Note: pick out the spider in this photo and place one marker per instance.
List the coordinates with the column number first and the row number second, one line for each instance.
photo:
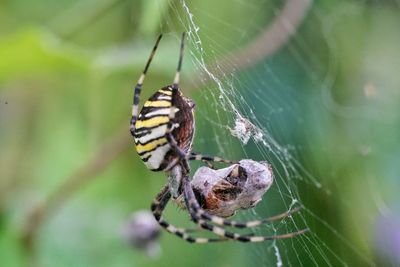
column 163, row 132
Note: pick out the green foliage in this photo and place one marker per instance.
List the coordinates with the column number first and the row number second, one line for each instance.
column 66, row 73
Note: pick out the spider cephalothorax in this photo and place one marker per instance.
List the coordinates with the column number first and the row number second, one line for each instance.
column 163, row 132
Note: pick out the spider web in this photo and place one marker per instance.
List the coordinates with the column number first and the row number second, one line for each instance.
column 257, row 113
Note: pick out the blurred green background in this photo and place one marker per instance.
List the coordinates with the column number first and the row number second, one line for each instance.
column 329, row 97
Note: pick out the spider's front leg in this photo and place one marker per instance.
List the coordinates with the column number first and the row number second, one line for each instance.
column 197, row 156
column 195, row 211
column 208, row 159
column 138, row 88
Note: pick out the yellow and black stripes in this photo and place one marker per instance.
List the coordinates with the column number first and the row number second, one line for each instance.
column 151, row 126
column 150, row 146
column 152, row 122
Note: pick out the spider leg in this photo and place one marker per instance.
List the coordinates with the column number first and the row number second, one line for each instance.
column 138, row 88
column 178, row 69
column 175, row 87
column 157, row 207
column 174, row 145
column 209, row 164
column 196, row 156
column 231, row 223
column 193, row 208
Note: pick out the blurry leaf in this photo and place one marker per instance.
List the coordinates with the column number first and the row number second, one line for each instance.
column 152, row 13
column 34, row 51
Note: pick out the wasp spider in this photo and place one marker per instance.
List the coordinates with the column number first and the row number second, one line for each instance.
column 163, row 132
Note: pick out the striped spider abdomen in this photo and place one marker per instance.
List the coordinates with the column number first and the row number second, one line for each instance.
column 150, row 136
